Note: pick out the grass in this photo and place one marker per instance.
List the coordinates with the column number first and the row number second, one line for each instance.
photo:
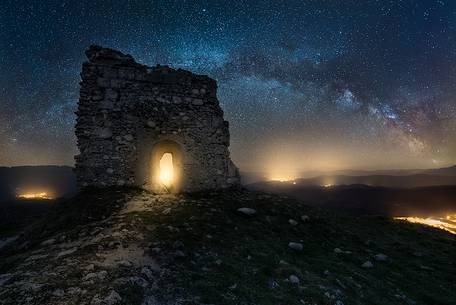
column 212, row 254
column 246, row 260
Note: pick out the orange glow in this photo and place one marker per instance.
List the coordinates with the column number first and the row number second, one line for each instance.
column 447, row 223
column 40, row 195
column 283, row 178
column 166, row 169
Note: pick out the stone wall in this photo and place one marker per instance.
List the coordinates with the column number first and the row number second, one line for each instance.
column 126, row 110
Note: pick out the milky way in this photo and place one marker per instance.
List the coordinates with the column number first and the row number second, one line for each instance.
column 305, row 84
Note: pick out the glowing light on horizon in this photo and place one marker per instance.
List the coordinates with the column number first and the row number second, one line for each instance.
column 166, row 169
column 40, row 195
column 447, row 223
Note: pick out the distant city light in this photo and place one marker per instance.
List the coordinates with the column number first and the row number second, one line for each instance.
column 39, row 195
column 447, row 223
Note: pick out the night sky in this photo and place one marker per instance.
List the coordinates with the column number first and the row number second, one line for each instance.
column 306, row 85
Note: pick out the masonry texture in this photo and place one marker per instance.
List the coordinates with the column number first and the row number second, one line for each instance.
column 130, row 114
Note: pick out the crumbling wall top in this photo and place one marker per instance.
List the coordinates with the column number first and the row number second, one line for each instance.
column 163, row 74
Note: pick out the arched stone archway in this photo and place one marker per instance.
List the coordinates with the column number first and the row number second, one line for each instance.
column 166, row 172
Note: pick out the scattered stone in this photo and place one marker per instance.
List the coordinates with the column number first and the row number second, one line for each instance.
column 272, row 284
column 295, row 246
column 337, row 250
column 292, row 222
column 58, row 293
column 427, row 268
column 247, row 211
column 340, row 251
column 179, row 253
column 367, row 265
column 67, row 252
column 111, row 299
column 381, row 257
column 36, row 257
column 178, row 244
column 305, row 218
column 148, row 273
column 48, row 242
column 90, row 267
column 125, row 263
column 95, row 275
column 4, row 278
column 294, row 279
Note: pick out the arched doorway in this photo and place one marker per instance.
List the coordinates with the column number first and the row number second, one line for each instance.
column 166, row 167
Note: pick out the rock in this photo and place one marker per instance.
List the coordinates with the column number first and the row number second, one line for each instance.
column 179, row 253
column 36, row 257
column 4, row 278
column 125, row 263
column 197, row 102
column 67, row 252
column 295, row 246
column 272, row 284
column 129, row 137
column 381, row 257
column 294, row 279
column 90, row 267
column 147, row 273
column 111, row 299
column 292, row 222
column 111, row 94
column 95, row 275
column 58, row 293
column 247, row 211
column 48, row 242
column 74, row 290
column 104, row 133
column 367, row 265
column 305, row 218
column 178, row 244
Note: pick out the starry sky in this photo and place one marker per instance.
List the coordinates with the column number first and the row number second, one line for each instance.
column 306, row 85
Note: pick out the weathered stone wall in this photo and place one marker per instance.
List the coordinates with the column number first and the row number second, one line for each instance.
column 127, row 109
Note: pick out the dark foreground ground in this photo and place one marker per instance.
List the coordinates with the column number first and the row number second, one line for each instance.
column 124, row 246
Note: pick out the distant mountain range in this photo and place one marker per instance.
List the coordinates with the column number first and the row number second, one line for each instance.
column 393, row 193
column 387, row 178
column 60, row 181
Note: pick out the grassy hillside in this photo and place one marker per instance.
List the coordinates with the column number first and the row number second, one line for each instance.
column 131, row 247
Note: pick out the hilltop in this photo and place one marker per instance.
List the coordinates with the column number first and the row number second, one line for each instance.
column 127, row 246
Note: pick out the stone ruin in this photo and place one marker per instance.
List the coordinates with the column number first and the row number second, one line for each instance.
column 130, row 115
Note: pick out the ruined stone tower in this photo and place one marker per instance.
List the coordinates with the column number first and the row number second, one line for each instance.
column 130, row 117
